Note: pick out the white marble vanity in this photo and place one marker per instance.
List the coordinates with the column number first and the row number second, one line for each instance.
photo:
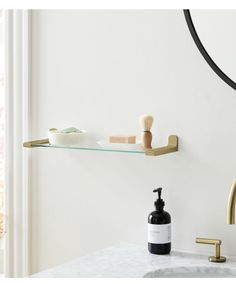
column 129, row 260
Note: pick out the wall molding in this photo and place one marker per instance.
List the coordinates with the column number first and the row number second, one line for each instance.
column 17, row 89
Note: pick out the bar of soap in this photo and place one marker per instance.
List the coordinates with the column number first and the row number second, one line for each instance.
column 128, row 139
column 71, row 130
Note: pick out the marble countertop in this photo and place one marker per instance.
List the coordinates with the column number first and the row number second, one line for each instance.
column 130, row 260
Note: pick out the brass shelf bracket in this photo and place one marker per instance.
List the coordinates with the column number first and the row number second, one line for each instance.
column 173, row 143
column 30, row 144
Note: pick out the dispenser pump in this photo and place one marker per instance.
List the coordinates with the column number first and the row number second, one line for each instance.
column 159, row 203
column 159, row 228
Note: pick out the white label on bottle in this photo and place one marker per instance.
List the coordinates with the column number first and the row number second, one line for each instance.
column 159, row 234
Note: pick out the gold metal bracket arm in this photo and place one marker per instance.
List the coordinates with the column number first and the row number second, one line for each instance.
column 217, row 257
column 30, row 144
column 173, row 143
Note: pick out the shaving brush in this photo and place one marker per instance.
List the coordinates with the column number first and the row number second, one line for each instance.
column 146, row 124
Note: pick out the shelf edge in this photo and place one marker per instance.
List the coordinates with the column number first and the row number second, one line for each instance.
column 173, row 144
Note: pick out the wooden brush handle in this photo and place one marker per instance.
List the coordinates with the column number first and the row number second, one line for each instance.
column 147, row 140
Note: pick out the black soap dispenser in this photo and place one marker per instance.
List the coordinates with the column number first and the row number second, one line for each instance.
column 159, row 228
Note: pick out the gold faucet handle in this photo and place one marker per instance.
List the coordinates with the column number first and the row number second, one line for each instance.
column 217, row 257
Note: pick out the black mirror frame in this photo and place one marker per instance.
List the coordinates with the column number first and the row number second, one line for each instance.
column 203, row 51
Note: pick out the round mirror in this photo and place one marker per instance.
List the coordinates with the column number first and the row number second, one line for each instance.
column 213, row 33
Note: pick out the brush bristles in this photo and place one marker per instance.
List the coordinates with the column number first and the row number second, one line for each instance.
column 146, row 122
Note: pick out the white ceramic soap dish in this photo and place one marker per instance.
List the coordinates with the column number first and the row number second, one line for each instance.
column 68, row 139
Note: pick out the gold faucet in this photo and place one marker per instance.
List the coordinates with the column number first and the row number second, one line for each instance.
column 217, row 257
column 230, row 220
column 231, row 204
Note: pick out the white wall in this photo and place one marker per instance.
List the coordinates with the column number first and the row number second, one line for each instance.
column 100, row 70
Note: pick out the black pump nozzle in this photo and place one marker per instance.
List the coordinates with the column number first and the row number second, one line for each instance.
column 159, row 203
column 159, row 189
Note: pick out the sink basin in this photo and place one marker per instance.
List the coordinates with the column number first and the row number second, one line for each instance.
column 192, row 272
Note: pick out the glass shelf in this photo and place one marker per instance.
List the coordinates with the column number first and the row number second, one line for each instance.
column 88, row 148
column 172, row 146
